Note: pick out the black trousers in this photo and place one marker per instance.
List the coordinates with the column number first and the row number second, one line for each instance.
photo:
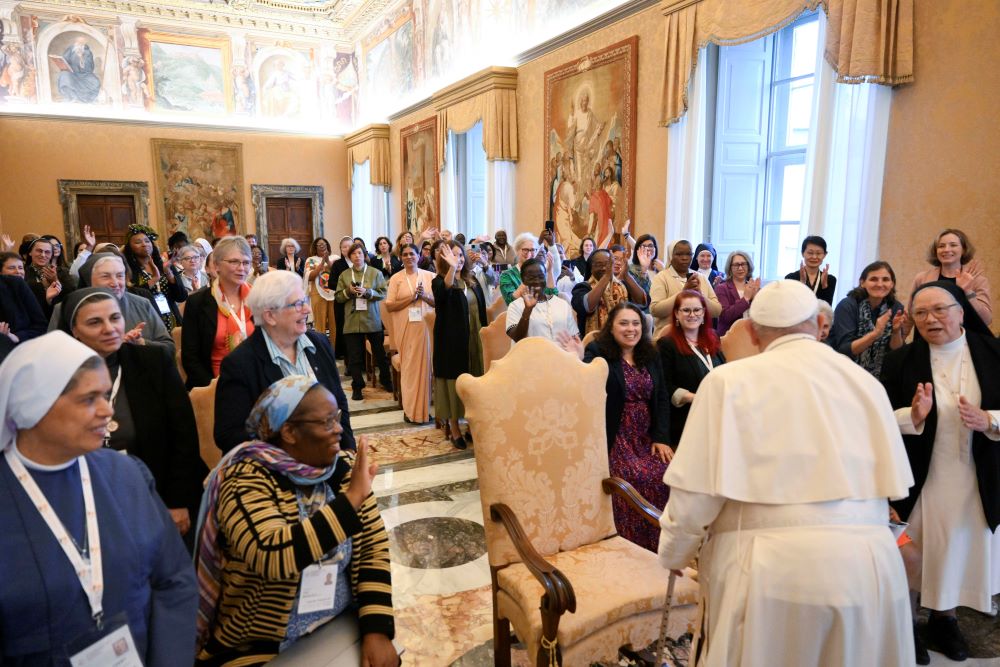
column 354, row 344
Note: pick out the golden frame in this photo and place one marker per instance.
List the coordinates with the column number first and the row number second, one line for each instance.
column 148, row 37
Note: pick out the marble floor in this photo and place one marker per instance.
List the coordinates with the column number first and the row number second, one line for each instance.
column 428, row 493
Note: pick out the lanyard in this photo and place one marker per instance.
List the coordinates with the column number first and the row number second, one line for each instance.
column 115, row 387
column 815, row 286
column 413, row 286
column 88, row 571
column 360, row 280
column 241, row 319
column 705, row 359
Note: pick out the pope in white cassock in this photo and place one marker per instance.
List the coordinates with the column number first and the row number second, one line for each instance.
column 784, row 470
column 946, row 386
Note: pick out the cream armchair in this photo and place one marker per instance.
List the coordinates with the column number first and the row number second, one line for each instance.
column 572, row 588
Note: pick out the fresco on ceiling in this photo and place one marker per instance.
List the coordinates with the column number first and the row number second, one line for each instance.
column 186, row 74
column 392, row 63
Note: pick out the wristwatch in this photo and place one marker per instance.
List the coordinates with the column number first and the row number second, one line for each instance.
column 971, row 295
column 994, row 424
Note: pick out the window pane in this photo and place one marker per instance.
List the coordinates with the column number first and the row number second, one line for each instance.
column 781, row 250
column 786, row 186
column 792, row 114
column 804, row 43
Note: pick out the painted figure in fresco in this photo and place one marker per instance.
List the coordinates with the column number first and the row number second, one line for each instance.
column 134, row 88
column 346, row 88
column 13, row 70
column 278, row 95
column 243, row 89
column 78, row 83
column 618, row 159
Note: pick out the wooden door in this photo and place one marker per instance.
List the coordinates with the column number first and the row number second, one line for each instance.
column 107, row 215
column 288, row 217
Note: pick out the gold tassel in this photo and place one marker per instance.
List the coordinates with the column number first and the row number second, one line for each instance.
column 550, row 647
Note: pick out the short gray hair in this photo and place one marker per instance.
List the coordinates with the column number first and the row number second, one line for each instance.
column 825, row 309
column 104, row 259
column 270, row 291
column 229, row 245
column 192, row 247
column 523, row 238
column 744, row 255
column 289, row 241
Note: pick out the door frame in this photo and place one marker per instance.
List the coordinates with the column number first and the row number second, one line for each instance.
column 69, row 190
column 261, row 193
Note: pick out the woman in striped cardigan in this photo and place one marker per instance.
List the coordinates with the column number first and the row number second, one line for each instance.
column 281, row 513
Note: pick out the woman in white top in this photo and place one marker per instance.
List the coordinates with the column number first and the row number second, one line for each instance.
column 193, row 274
column 536, row 313
column 317, row 287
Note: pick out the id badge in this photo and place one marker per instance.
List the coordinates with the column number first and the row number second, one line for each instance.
column 414, row 314
column 113, row 646
column 360, row 304
column 318, row 588
column 161, row 304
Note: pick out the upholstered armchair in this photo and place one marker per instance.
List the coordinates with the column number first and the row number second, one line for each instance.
column 203, row 402
column 736, row 343
column 496, row 342
column 573, row 590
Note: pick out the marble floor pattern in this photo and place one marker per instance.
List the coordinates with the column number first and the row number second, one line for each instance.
column 428, row 493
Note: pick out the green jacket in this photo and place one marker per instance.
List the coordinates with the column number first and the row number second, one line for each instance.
column 362, row 321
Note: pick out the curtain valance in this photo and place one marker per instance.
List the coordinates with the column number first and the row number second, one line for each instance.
column 867, row 41
column 369, row 143
column 489, row 96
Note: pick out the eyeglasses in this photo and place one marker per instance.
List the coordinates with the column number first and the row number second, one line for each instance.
column 328, row 424
column 297, row 306
column 692, row 311
column 648, row 244
column 937, row 311
column 188, row 258
column 740, row 265
column 236, row 263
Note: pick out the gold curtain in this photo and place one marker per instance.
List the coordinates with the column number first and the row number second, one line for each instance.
column 867, row 41
column 489, row 96
column 369, row 143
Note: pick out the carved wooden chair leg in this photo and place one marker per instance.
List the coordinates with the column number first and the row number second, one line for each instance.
column 549, row 651
column 501, row 642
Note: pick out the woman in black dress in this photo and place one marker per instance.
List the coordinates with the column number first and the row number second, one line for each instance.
column 339, row 266
column 288, row 256
column 142, row 258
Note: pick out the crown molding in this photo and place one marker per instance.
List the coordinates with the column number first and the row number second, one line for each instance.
column 366, row 133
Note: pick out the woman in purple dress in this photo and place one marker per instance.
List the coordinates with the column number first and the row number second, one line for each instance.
column 637, row 415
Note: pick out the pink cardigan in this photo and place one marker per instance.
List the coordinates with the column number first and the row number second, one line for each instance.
column 982, row 302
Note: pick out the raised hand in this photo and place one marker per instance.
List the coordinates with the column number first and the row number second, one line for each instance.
column 134, row 335
column 645, row 257
column 824, row 276
column 626, row 226
column 521, row 289
column 89, row 237
column 881, row 323
column 530, row 299
column 901, row 322
column 8, row 242
column 5, row 331
column 571, row 344
column 449, row 256
column 923, row 401
column 692, row 282
column 53, row 290
column 963, row 280
column 751, row 289
column 362, row 475
column 973, row 417
column 49, row 275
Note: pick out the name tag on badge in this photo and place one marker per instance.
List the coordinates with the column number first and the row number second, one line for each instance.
column 414, row 314
column 161, row 304
column 360, row 304
column 318, row 589
column 115, row 649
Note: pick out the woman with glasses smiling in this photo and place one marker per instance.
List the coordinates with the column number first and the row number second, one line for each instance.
column 193, row 275
column 689, row 351
column 218, row 319
column 737, row 291
column 281, row 345
column 810, row 272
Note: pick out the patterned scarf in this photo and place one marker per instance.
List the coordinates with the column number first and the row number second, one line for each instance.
column 233, row 334
column 872, row 358
column 209, row 558
column 612, row 296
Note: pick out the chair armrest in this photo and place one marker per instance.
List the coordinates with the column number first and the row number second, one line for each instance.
column 617, row 486
column 557, row 587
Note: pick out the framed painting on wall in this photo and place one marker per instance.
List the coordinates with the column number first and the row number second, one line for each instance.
column 420, row 176
column 199, row 188
column 590, row 107
column 186, row 73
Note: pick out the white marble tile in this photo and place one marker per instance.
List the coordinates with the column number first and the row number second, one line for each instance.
column 391, row 482
column 369, row 404
column 376, row 419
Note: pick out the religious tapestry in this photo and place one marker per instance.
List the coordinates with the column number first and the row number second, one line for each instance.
column 199, row 188
column 420, row 191
column 590, row 107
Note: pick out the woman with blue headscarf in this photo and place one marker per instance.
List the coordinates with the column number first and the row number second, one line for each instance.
column 290, row 535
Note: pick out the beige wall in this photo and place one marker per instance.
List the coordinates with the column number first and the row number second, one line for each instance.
column 35, row 153
column 943, row 161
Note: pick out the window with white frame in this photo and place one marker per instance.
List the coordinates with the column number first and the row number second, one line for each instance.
column 369, row 206
column 764, row 94
column 465, row 183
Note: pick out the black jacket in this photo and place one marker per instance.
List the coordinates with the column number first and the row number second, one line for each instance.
column 681, row 371
column 910, row 364
column 20, row 309
column 659, row 404
column 451, row 327
column 201, row 320
column 395, row 264
column 248, row 370
column 166, row 436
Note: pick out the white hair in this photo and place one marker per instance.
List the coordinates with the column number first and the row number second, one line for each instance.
column 230, row 245
column 270, row 291
column 111, row 257
column 825, row 309
column 289, row 242
column 524, row 238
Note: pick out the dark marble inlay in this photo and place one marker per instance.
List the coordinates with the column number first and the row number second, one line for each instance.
column 437, row 542
column 444, row 492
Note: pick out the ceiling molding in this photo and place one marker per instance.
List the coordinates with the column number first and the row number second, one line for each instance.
column 366, row 133
column 491, row 78
column 617, row 14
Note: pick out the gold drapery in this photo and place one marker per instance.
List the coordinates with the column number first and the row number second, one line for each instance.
column 489, row 96
column 867, row 41
column 369, row 143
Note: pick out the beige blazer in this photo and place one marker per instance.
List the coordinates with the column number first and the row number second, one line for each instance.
column 982, row 301
column 667, row 284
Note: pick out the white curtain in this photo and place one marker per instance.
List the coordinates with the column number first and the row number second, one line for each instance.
column 499, row 197
column 369, row 206
column 687, row 151
column 845, row 163
column 449, row 186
